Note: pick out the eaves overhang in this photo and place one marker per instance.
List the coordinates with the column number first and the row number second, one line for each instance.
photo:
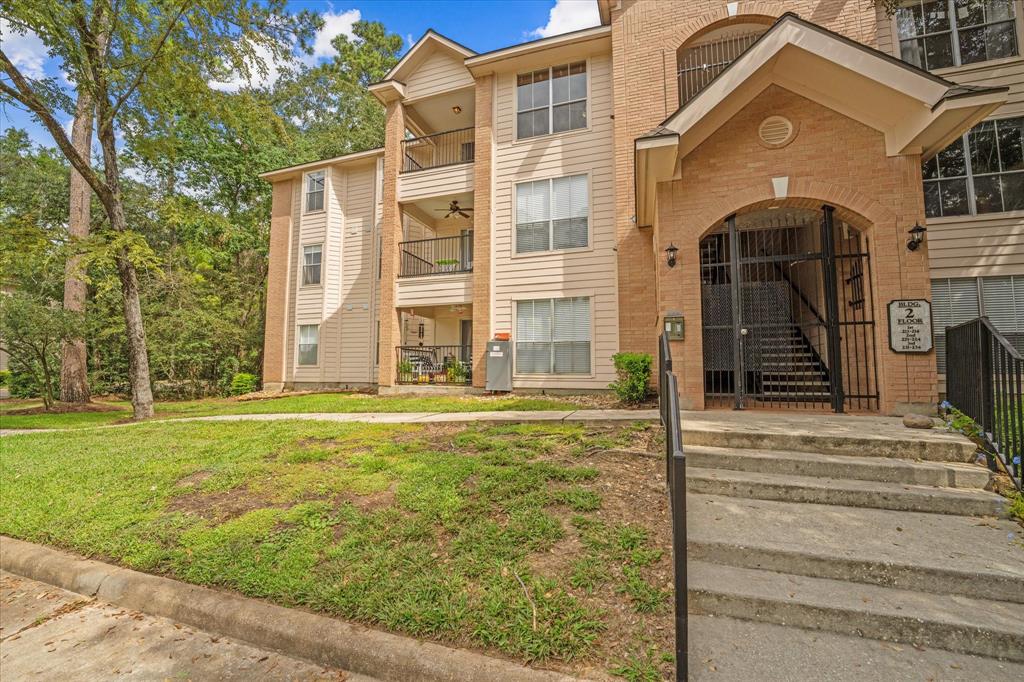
column 917, row 112
column 288, row 171
column 487, row 62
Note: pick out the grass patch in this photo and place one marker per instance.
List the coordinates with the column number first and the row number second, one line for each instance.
column 299, row 404
column 493, row 537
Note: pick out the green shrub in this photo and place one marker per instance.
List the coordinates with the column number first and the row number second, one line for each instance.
column 5, row 377
column 456, row 373
column 633, row 371
column 243, row 383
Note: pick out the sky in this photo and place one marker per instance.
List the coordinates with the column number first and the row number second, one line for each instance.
column 480, row 25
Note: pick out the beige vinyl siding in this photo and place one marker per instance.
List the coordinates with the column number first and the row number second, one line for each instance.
column 587, row 272
column 435, row 290
column 357, row 275
column 310, row 301
column 439, row 73
column 435, row 182
column 970, row 246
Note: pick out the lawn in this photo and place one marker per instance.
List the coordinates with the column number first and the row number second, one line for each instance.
column 311, row 402
column 532, row 541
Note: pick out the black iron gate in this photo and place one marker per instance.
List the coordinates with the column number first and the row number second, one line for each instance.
column 787, row 313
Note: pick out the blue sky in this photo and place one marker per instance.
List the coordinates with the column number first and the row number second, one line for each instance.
column 481, row 25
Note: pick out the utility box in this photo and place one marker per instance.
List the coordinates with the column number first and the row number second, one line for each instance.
column 499, row 365
column 674, row 328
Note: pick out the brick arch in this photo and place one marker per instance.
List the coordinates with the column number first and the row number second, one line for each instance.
column 757, row 10
column 852, row 206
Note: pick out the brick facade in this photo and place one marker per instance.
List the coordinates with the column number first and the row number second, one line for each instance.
column 482, row 190
column 277, row 286
column 391, row 234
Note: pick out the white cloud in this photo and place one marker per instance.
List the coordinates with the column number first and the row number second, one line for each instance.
column 335, row 24
column 569, row 15
column 272, row 64
column 25, row 50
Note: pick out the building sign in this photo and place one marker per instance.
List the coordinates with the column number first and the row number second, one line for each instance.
column 910, row 326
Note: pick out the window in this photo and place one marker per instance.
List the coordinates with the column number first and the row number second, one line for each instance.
column 959, row 300
column 315, row 191
column 982, row 172
column 553, row 336
column 309, row 344
column 552, row 214
column 551, row 100
column 311, row 264
column 935, row 34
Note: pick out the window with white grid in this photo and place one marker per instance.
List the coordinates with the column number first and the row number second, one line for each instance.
column 551, row 100
column 309, row 344
column 315, row 191
column 937, row 34
column 311, row 257
column 552, row 214
column 553, row 336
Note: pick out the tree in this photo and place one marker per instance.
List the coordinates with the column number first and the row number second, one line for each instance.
column 134, row 60
column 31, row 332
column 74, row 375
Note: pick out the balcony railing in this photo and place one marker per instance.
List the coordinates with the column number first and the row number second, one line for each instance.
column 440, row 149
column 440, row 256
column 426, row 365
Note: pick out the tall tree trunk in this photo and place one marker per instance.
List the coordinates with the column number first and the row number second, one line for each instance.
column 74, row 378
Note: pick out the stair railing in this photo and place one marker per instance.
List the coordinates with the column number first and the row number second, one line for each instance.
column 675, row 478
column 984, row 381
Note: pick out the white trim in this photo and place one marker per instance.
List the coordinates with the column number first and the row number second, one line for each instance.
column 302, row 264
column 315, row 165
column 305, row 191
column 538, row 45
column 298, row 342
column 588, row 294
column 551, row 134
column 429, row 35
column 514, row 253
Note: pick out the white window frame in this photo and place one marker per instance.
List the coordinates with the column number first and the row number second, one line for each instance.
column 972, row 203
column 939, row 333
column 303, row 265
column 550, row 105
column 954, row 30
column 305, row 191
column 551, row 235
column 299, row 344
column 591, row 297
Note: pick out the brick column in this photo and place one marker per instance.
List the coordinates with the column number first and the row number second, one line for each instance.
column 482, row 227
column 391, row 227
column 279, row 259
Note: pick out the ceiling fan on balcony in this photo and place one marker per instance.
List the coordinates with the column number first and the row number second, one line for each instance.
column 453, row 209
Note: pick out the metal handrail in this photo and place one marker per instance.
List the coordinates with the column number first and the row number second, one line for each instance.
column 436, row 256
column 675, row 477
column 985, row 381
column 451, row 364
column 439, row 149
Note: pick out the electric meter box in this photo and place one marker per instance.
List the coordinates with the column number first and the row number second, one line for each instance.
column 499, row 365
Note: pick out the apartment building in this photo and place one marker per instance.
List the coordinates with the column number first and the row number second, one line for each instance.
column 753, row 175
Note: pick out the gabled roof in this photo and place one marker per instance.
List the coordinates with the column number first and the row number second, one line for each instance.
column 424, row 47
column 279, row 173
column 918, row 112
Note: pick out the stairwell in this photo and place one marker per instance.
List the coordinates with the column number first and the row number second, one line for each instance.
column 877, row 542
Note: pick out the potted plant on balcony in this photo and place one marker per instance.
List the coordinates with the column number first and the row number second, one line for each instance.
column 447, row 264
column 404, row 369
column 456, row 373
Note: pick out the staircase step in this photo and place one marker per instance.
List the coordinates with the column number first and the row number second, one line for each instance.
column 964, row 555
column 952, row 622
column 881, row 469
column 848, row 493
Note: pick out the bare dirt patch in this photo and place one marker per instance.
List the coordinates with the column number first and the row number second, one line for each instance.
column 68, row 408
column 219, row 506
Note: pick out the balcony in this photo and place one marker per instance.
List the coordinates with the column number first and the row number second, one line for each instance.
column 438, row 150
column 435, row 365
column 439, row 256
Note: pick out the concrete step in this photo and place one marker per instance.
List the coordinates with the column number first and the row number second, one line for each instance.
column 844, row 492
column 882, row 469
column 732, row 650
column 829, row 434
column 970, row 556
column 953, row 622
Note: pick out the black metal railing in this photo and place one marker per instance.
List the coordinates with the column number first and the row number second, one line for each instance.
column 440, row 149
column 440, row 256
column 675, row 477
column 984, row 381
column 427, row 365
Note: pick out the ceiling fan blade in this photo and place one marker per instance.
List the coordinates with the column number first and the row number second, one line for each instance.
column 468, row 209
column 463, row 214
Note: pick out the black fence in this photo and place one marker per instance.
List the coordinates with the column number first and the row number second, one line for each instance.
column 675, row 477
column 440, row 149
column 440, row 256
column 433, row 365
column 984, row 381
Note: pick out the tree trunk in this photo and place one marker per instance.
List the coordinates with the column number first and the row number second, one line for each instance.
column 74, row 378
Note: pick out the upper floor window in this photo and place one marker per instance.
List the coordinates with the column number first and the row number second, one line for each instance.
column 311, row 256
column 981, row 172
column 700, row 62
column 551, row 100
column 552, row 214
column 315, row 191
column 935, row 34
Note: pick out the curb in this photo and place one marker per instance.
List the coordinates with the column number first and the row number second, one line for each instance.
column 318, row 639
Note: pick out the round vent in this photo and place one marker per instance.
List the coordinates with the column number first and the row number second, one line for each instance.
column 775, row 130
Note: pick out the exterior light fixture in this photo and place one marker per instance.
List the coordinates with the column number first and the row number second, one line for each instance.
column 456, row 109
column 671, row 252
column 916, row 237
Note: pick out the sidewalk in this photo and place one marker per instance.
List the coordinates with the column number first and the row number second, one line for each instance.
column 50, row 633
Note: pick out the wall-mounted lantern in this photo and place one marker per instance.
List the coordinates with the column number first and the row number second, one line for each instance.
column 916, row 237
column 671, row 253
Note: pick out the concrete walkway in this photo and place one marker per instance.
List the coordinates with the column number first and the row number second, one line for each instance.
column 48, row 633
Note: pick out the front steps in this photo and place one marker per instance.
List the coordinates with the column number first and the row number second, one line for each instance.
column 882, row 533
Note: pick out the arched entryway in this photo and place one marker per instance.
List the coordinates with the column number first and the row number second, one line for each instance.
column 787, row 312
